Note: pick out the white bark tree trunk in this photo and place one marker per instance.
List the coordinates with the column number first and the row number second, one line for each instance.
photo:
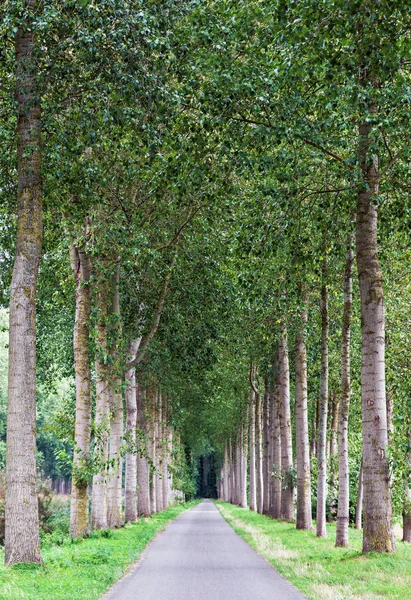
column 130, row 512
column 159, row 452
column 244, row 460
column 322, row 421
column 81, row 265
column 22, row 520
column 378, row 531
column 102, row 416
column 406, row 513
column 151, row 448
column 267, row 458
column 287, row 494
column 114, row 484
column 166, row 450
column 304, row 514
column 142, row 463
column 360, row 495
column 276, row 483
column 259, row 453
column 343, row 515
column 253, row 489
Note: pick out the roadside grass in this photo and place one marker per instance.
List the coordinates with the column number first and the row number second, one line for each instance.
column 85, row 569
column 319, row 569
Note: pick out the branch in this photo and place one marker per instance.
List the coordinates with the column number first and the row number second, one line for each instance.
column 251, row 121
column 175, row 239
column 132, row 350
column 329, row 152
column 252, row 382
column 160, row 306
column 390, row 164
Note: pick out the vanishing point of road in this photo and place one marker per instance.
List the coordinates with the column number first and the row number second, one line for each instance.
column 200, row 557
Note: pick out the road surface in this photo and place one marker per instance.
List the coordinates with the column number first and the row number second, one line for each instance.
column 200, row 557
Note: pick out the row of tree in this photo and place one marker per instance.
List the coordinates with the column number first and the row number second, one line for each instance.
column 207, row 167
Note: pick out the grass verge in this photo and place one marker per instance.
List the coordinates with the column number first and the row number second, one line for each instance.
column 85, row 569
column 316, row 567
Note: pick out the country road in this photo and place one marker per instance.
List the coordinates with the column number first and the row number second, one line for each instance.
column 200, row 557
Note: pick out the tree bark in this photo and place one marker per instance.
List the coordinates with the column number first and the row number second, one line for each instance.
column 406, row 513
column 253, row 489
column 142, row 463
column 304, row 514
column 360, row 495
column 378, row 531
column 166, row 449
column 81, row 265
column 244, row 457
column 225, row 474
column 258, row 453
column 343, row 515
column 151, row 449
column 114, row 484
column 335, row 405
column 267, row 460
column 102, row 416
column 21, row 506
column 238, row 468
column 159, row 452
column 287, row 493
column 130, row 513
column 322, row 421
column 276, row 482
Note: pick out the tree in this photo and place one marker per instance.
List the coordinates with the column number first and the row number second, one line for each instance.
column 22, row 523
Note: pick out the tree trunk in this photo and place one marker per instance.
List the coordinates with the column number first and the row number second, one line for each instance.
column 378, row 531
column 276, row 483
column 225, row 474
column 22, row 520
column 287, row 493
column 142, row 463
column 166, row 441
column 304, row 514
column 230, row 472
column 238, row 468
column 406, row 513
column 335, row 405
column 258, row 453
column 406, row 518
column 81, row 265
column 360, row 495
column 253, row 489
column 151, row 449
column 130, row 512
column 343, row 515
column 114, row 484
column 314, row 431
column 244, row 457
column 267, row 460
column 102, row 416
column 159, row 453
column 322, row 421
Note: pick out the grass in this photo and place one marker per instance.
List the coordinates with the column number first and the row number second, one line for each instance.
column 316, row 567
column 85, row 569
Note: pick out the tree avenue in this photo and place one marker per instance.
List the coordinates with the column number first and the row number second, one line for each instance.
column 218, row 304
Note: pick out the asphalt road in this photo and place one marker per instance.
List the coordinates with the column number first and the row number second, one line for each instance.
column 200, row 557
